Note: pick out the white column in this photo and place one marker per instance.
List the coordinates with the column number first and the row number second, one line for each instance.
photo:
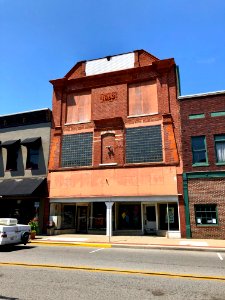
column 109, row 206
column 168, row 217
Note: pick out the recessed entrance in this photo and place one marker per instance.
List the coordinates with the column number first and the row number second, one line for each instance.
column 82, row 219
column 150, row 219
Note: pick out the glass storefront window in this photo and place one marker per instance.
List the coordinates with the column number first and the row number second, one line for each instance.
column 68, row 216
column 99, row 215
column 173, row 217
column 129, row 216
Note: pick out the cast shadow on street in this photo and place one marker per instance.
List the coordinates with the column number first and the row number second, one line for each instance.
column 12, row 248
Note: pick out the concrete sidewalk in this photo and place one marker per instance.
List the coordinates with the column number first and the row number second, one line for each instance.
column 138, row 242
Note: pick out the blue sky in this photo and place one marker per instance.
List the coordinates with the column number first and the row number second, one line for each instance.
column 42, row 40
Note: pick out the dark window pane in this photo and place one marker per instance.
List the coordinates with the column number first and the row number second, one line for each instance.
column 32, row 157
column 144, row 144
column 12, row 155
column 199, row 149
column 206, row 214
column 199, row 157
column 198, row 143
column 220, row 137
column 77, row 150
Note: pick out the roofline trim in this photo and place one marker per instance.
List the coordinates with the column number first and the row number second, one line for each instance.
column 105, row 57
column 124, row 53
column 24, row 112
column 201, row 95
column 109, row 56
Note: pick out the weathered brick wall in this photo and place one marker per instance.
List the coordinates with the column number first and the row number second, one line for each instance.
column 207, row 191
column 145, row 58
column 116, row 140
column 78, row 71
column 103, row 88
column 208, row 126
column 106, row 107
column 109, row 102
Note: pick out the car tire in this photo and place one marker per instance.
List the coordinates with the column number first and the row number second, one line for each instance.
column 25, row 237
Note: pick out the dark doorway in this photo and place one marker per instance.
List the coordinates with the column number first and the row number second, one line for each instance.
column 150, row 213
column 150, row 219
column 82, row 218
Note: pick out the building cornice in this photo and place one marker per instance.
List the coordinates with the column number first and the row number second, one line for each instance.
column 200, row 95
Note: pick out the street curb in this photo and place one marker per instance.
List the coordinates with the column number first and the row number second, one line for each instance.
column 127, row 246
column 162, row 247
column 73, row 244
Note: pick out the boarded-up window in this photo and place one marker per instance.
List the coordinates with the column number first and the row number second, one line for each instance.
column 78, row 107
column 143, row 98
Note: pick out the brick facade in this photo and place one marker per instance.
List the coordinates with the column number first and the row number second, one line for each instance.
column 203, row 115
column 110, row 121
column 207, row 191
column 115, row 113
column 207, row 126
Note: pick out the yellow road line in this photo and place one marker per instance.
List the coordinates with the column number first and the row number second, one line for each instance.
column 117, row 271
column 92, row 245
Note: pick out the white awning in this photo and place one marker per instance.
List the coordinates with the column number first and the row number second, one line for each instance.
column 158, row 199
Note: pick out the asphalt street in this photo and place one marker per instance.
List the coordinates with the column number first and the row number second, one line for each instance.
column 54, row 272
column 187, row 262
column 52, row 284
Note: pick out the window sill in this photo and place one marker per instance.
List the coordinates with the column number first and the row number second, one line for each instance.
column 142, row 115
column 201, row 165
column 207, row 225
column 76, row 123
column 151, row 163
column 109, row 164
column 220, row 164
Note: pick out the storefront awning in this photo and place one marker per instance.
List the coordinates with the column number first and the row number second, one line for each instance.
column 143, row 199
column 9, row 143
column 33, row 140
column 23, row 186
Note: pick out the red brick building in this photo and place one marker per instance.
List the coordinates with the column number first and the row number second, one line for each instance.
column 203, row 143
column 115, row 158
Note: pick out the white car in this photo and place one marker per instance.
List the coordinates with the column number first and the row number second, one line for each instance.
column 12, row 233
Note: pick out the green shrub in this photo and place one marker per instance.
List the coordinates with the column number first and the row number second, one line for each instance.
column 34, row 225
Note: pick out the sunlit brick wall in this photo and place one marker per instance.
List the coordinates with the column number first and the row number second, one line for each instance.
column 207, row 191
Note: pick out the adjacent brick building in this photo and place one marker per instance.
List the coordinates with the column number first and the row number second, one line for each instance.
column 203, row 144
column 115, row 158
